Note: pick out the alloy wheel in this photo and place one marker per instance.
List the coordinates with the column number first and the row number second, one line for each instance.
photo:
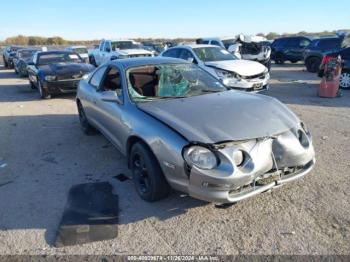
column 345, row 80
column 141, row 173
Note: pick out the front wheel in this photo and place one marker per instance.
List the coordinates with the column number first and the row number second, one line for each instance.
column 345, row 80
column 148, row 177
column 312, row 64
column 84, row 123
column 279, row 59
column 43, row 93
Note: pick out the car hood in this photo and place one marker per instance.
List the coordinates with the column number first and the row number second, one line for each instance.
column 66, row 68
column 134, row 52
column 225, row 116
column 241, row 67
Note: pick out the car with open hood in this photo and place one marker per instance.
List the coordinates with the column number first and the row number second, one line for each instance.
column 56, row 72
column 235, row 73
column 181, row 128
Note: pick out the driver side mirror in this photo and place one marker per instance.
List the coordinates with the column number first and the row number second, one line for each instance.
column 111, row 96
column 108, row 49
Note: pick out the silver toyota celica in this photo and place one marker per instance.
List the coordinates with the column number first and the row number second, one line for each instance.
column 180, row 128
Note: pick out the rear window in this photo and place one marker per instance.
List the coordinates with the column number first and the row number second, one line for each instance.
column 81, row 50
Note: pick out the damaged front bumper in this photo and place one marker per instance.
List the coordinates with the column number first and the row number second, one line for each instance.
column 272, row 162
column 250, row 85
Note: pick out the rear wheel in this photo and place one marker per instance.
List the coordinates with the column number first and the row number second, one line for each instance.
column 279, row 59
column 293, row 61
column 43, row 93
column 84, row 123
column 92, row 61
column 148, row 177
column 5, row 62
column 32, row 86
column 312, row 64
column 345, row 80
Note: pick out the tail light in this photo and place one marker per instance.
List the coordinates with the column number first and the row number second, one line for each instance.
column 326, row 59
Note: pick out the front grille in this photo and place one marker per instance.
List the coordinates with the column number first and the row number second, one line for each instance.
column 258, row 76
column 70, row 77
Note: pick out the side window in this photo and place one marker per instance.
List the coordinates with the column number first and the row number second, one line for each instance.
column 329, row 43
column 303, row 42
column 172, row 53
column 97, row 77
column 186, row 55
column 107, row 47
column 101, row 45
column 205, row 42
column 292, row 42
column 112, row 81
column 214, row 42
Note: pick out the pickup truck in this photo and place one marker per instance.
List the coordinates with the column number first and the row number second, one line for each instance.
column 117, row 49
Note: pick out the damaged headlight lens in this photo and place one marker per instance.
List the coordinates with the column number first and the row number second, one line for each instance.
column 200, row 157
column 222, row 74
column 50, row 78
column 238, row 157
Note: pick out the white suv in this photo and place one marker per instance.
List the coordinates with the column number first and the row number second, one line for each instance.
column 233, row 72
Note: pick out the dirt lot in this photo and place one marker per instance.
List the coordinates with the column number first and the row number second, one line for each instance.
column 43, row 153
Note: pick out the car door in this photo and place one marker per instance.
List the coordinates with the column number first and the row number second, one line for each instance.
column 109, row 114
column 296, row 47
column 98, row 55
column 345, row 56
column 106, row 54
column 90, row 92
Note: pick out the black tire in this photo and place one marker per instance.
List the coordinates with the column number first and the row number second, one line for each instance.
column 84, row 122
column 148, row 177
column 313, row 64
column 279, row 59
column 345, row 80
column 16, row 72
column 32, row 86
column 92, row 61
column 5, row 62
column 294, row 61
column 43, row 93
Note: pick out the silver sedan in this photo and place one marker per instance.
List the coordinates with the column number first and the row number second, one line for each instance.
column 180, row 128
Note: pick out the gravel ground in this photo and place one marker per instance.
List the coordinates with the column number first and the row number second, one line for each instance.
column 43, row 153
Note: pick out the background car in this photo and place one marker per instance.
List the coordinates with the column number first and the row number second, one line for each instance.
column 180, row 127
column 55, row 72
column 289, row 49
column 345, row 74
column 315, row 51
column 9, row 54
column 23, row 56
column 155, row 48
column 233, row 72
column 81, row 50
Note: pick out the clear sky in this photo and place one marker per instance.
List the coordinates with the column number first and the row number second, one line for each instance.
column 87, row 19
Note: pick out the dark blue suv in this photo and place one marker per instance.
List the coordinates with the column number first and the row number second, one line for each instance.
column 318, row 48
column 289, row 49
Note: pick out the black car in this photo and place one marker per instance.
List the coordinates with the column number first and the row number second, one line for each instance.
column 315, row 51
column 345, row 74
column 9, row 54
column 55, row 72
column 21, row 59
column 289, row 49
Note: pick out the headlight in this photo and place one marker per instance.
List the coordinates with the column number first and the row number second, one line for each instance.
column 50, row 78
column 225, row 74
column 200, row 157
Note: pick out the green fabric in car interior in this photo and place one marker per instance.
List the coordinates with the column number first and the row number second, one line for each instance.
column 171, row 82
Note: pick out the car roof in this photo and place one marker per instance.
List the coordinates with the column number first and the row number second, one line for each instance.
column 143, row 61
column 194, row 46
column 77, row 46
